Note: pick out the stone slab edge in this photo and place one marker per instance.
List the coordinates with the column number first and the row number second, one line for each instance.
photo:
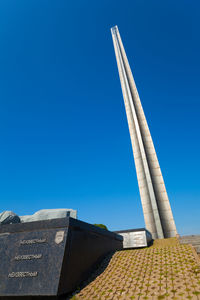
column 195, row 254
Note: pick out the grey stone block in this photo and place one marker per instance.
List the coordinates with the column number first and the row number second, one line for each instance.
column 8, row 217
column 48, row 214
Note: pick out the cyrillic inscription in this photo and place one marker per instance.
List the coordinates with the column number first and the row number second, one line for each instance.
column 28, row 257
column 34, row 241
column 22, row 274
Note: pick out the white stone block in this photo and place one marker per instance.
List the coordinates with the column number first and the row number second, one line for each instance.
column 48, row 214
column 135, row 238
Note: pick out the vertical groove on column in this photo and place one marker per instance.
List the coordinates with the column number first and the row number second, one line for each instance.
column 146, row 205
column 133, row 105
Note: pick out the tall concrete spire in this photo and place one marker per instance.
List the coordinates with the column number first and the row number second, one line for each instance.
column 155, row 203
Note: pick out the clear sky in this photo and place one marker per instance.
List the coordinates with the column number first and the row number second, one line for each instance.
column 63, row 130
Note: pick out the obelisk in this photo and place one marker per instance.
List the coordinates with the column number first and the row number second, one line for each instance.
column 155, row 203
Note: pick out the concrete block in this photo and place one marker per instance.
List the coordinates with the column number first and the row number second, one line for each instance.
column 48, row 214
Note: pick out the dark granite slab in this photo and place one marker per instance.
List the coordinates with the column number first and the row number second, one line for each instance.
column 45, row 259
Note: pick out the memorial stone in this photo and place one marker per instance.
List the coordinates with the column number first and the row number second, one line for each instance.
column 48, row 259
column 135, row 238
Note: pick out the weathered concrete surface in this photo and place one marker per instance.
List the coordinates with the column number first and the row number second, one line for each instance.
column 48, row 214
column 194, row 240
column 156, row 207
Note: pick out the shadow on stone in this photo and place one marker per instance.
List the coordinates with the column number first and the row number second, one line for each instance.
column 96, row 271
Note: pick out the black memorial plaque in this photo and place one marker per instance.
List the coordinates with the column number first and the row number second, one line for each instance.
column 49, row 258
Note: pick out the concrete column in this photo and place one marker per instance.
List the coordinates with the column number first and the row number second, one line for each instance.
column 156, row 207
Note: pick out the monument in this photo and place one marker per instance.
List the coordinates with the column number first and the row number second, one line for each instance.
column 48, row 259
column 155, row 203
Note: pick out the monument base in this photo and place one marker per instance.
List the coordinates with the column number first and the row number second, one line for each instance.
column 47, row 259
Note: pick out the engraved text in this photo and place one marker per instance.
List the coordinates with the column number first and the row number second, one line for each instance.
column 22, row 274
column 34, row 241
column 28, row 257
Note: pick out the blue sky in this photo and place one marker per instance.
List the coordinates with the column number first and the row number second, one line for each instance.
column 63, row 129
